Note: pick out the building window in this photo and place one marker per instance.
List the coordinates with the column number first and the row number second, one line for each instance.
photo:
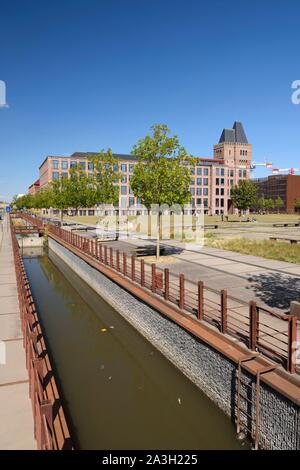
column 199, row 171
column 123, row 202
column 199, row 201
column 199, row 181
column 55, row 164
column 205, row 181
column 90, row 166
column 217, row 191
column 222, row 171
column 205, row 171
column 55, row 175
column 192, row 190
column 192, row 171
column 64, row 174
column 64, row 165
column 131, row 201
column 82, row 165
column 205, row 191
column 73, row 165
column 205, row 202
column 123, row 179
column 123, row 189
column 199, row 192
column 124, row 167
column 244, row 173
column 131, row 168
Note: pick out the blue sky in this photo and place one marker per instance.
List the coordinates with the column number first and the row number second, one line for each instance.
column 86, row 75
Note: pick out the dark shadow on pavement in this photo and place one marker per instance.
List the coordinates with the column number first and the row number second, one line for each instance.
column 275, row 290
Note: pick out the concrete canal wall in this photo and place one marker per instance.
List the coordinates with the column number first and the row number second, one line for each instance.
column 212, row 372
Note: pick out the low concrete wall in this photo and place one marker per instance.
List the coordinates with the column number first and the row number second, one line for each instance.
column 214, row 374
column 30, row 242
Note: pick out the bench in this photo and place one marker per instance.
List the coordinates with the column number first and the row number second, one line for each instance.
column 287, row 224
column 210, row 226
column 291, row 240
column 84, row 228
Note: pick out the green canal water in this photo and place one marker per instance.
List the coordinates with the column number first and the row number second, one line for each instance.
column 119, row 392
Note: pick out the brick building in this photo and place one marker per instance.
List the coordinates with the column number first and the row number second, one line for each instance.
column 211, row 181
column 285, row 186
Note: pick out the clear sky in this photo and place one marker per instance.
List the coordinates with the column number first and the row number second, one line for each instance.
column 83, row 75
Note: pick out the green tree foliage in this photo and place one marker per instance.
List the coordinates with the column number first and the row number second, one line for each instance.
column 162, row 174
column 243, row 195
column 297, row 204
column 103, row 188
column 279, row 203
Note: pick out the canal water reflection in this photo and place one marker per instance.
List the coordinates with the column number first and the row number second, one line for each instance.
column 119, row 391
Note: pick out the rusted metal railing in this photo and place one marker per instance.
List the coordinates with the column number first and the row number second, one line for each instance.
column 50, row 425
column 260, row 329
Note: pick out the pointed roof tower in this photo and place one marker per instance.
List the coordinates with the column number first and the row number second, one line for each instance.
column 236, row 134
column 240, row 135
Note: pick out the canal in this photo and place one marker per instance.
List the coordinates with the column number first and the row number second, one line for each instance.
column 119, row 392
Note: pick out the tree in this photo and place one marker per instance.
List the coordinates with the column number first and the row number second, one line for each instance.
column 243, row 195
column 279, row 204
column 162, row 175
column 103, row 182
column 269, row 204
column 297, row 204
column 59, row 195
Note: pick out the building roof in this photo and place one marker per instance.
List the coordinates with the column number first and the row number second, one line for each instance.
column 119, row 156
column 236, row 134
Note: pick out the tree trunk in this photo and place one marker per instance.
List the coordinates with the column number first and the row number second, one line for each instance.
column 158, row 236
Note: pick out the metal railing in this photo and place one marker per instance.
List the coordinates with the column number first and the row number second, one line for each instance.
column 262, row 330
column 50, row 425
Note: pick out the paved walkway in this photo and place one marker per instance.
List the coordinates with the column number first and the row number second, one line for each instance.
column 16, row 420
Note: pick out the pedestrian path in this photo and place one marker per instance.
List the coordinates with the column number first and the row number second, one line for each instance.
column 16, row 420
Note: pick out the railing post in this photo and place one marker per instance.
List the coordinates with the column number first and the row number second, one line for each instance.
column 167, row 283
column 105, row 254
column 253, row 323
column 133, row 267
column 153, row 277
column 118, row 260
column 181, row 291
column 200, row 300
column 223, row 311
column 142, row 272
column 292, row 344
column 111, row 257
column 124, row 264
column 101, row 253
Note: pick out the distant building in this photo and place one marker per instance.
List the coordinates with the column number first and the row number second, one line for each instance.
column 211, row 181
column 34, row 187
column 285, row 186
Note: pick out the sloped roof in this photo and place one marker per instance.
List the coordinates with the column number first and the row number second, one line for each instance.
column 236, row 134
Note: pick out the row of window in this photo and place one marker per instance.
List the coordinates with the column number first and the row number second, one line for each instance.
column 199, row 191
column 64, row 165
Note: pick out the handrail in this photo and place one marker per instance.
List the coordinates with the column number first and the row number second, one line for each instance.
column 208, row 305
column 50, row 426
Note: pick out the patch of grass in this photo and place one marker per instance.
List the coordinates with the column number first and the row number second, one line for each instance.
column 280, row 251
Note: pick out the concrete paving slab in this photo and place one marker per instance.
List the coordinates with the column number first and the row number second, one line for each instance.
column 15, row 409
column 9, row 304
column 10, row 326
column 15, row 369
